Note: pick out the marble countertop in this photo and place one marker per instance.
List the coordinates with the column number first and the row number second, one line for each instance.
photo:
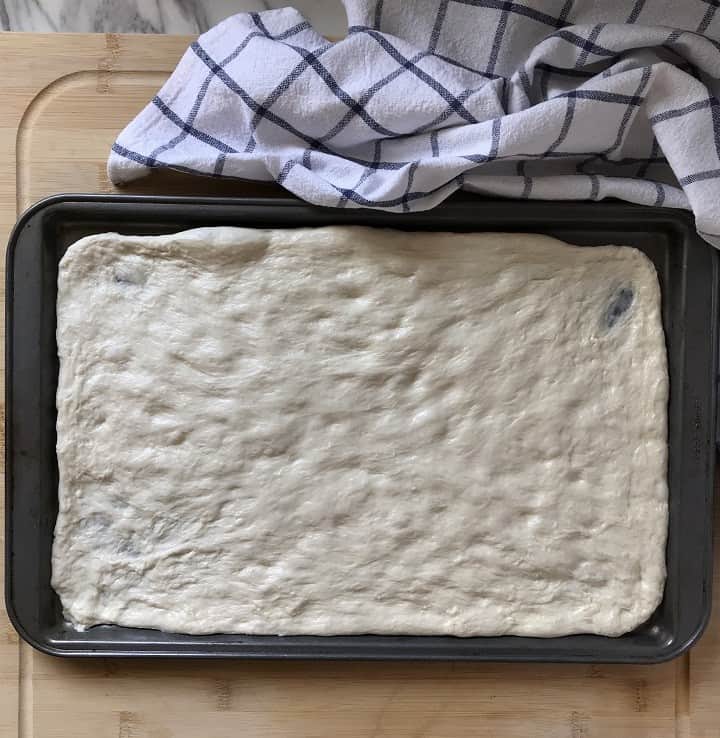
column 158, row 16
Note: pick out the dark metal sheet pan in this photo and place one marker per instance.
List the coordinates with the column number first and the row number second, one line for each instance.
column 688, row 272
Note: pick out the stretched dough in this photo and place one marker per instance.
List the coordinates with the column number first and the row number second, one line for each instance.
column 348, row 430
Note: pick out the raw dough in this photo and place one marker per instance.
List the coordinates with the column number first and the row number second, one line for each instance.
column 348, row 430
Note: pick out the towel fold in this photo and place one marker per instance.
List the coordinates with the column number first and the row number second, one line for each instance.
column 562, row 99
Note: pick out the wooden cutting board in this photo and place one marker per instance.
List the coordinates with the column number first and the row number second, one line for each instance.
column 64, row 99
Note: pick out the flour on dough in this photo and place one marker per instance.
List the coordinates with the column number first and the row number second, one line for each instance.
column 348, row 430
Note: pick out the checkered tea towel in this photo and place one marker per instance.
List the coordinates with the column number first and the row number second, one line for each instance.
column 548, row 99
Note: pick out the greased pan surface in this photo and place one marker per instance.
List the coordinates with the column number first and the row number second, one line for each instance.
column 687, row 268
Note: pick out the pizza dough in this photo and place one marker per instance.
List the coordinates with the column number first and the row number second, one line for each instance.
column 346, row 430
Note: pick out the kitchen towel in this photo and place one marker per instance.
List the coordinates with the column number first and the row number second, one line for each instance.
column 561, row 99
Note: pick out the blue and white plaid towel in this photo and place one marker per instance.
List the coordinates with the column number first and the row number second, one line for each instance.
column 561, row 99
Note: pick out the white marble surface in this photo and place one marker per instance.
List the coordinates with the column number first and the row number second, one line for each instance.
column 154, row 16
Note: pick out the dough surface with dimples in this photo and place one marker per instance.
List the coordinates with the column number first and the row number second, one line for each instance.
column 348, row 430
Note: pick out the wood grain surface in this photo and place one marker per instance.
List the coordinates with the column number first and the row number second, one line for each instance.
column 65, row 99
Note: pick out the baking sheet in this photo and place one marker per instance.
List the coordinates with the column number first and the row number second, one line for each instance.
column 687, row 269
